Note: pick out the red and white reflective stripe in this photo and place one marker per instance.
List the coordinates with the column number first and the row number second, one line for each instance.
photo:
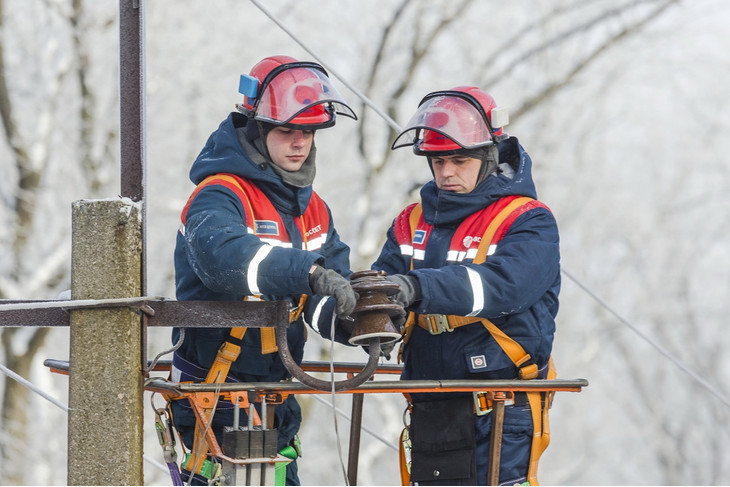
column 460, row 255
column 316, row 243
column 477, row 290
column 253, row 268
column 406, row 250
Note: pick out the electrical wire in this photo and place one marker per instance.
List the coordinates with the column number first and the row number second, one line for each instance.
column 29, row 385
column 329, row 69
column 342, row 413
column 33, row 388
column 684, row 368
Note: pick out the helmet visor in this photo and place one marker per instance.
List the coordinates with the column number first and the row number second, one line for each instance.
column 445, row 122
column 300, row 94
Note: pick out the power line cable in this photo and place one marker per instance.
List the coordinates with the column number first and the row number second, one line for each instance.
column 29, row 385
column 357, row 92
column 364, row 428
column 696, row 377
column 33, row 388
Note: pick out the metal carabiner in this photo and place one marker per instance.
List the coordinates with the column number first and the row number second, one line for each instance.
column 163, row 426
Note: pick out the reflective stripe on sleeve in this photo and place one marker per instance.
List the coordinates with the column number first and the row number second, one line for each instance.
column 317, row 313
column 477, row 291
column 253, row 268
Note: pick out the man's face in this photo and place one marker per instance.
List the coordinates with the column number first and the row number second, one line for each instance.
column 457, row 173
column 288, row 147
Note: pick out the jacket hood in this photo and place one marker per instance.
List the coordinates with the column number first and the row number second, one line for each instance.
column 443, row 208
column 226, row 152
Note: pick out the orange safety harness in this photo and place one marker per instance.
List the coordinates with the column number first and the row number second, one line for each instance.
column 266, row 223
column 436, row 324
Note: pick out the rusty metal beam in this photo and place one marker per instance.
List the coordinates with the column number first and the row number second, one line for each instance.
column 131, row 97
column 384, row 386
column 184, row 314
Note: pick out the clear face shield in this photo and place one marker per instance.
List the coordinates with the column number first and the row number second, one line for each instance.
column 446, row 121
column 299, row 94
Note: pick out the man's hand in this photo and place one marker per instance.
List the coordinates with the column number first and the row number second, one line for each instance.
column 327, row 282
column 410, row 289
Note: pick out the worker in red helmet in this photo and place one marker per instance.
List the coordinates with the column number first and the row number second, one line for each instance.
column 254, row 229
column 478, row 265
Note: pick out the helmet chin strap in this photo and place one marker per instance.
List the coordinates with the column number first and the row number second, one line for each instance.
column 490, row 162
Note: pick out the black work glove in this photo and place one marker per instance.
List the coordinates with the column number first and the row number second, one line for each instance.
column 410, row 289
column 327, row 282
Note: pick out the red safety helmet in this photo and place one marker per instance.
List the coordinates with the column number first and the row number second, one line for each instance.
column 448, row 121
column 283, row 91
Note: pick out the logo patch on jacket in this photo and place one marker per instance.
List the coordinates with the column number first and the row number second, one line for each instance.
column 266, row 227
column 419, row 236
column 478, row 361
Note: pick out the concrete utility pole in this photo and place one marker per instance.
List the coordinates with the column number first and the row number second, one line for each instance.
column 105, row 421
column 105, row 424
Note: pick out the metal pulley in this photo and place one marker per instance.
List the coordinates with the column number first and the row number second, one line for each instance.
column 374, row 311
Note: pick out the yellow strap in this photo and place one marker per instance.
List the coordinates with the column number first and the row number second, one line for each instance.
column 413, row 218
column 268, row 340
column 540, row 417
column 227, row 354
column 494, row 225
column 540, row 433
column 232, row 180
column 405, row 475
column 514, row 350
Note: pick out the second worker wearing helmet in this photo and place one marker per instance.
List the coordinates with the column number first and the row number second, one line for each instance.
column 254, row 229
column 478, row 263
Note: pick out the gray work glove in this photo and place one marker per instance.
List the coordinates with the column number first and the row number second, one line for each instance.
column 327, row 282
column 386, row 349
column 410, row 289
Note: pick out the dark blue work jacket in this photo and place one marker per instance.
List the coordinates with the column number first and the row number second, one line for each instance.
column 519, row 283
column 217, row 258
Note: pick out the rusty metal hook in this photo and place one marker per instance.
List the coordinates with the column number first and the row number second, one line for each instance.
column 323, row 385
column 373, row 326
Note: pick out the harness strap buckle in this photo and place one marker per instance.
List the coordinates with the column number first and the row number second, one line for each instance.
column 438, row 324
column 484, row 400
